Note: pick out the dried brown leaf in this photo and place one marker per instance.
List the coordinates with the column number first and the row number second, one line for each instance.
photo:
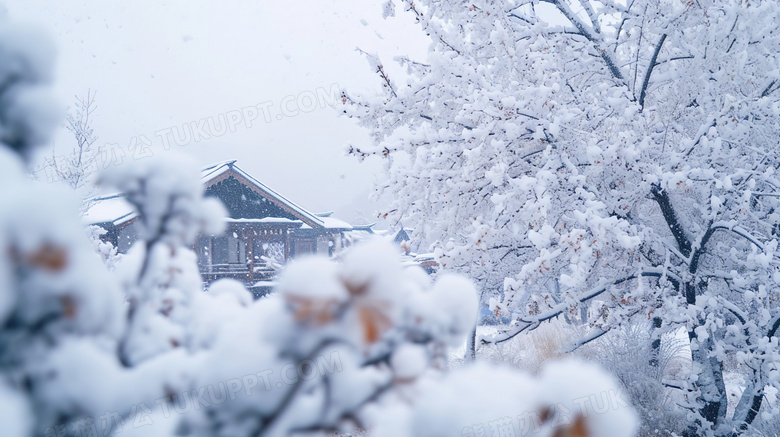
column 374, row 322
column 576, row 428
column 48, row 257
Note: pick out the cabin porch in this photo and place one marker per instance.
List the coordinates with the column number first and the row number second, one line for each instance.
column 250, row 250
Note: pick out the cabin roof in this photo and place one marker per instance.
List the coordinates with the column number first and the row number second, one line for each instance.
column 113, row 209
column 116, row 210
column 221, row 171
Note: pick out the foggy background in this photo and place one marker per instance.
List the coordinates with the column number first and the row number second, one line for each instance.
column 160, row 66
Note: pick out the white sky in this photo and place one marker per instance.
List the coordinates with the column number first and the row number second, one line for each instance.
column 163, row 64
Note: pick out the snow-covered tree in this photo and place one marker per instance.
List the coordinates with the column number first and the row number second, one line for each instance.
column 75, row 168
column 619, row 155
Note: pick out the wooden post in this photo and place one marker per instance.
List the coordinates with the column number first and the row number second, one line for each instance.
column 250, row 252
column 287, row 244
column 211, row 254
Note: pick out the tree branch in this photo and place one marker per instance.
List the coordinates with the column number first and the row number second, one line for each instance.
column 742, row 232
column 593, row 335
column 529, row 322
column 768, row 90
column 646, row 81
column 605, row 55
column 661, row 197
column 774, row 327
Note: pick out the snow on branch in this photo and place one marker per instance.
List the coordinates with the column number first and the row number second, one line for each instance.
column 526, row 323
column 650, row 67
column 564, row 8
column 737, row 230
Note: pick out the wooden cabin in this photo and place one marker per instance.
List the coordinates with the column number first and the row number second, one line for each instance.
column 264, row 229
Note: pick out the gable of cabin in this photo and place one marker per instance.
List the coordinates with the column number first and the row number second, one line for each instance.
column 233, row 187
column 243, row 202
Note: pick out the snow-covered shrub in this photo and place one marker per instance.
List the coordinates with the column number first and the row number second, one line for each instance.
column 107, row 251
column 160, row 274
column 361, row 343
column 62, row 313
column 570, row 398
column 60, row 309
column 644, row 373
column 532, row 351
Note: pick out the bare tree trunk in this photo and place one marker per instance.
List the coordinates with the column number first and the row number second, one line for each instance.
column 749, row 403
column 711, row 398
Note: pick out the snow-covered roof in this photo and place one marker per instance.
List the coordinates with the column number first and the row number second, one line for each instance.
column 369, row 227
column 216, row 169
column 331, row 223
column 114, row 209
column 334, row 223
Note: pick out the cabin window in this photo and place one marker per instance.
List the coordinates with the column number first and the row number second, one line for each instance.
column 304, row 246
column 228, row 250
column 219, row 250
